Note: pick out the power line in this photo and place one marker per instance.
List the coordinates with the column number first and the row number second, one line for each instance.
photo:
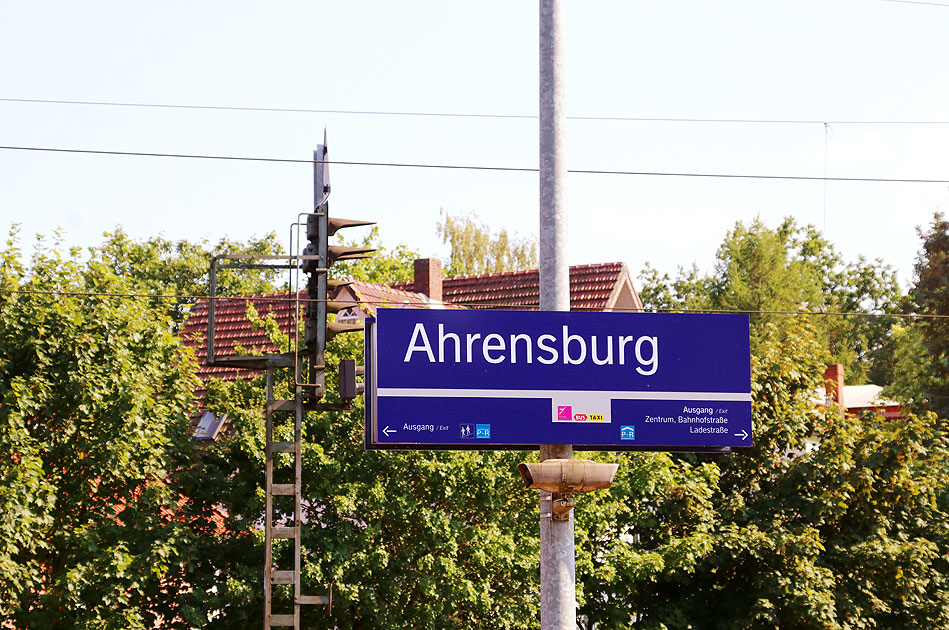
column 929, row 4
column 417, row 114
column 512, row 169
column 274, row 299
column 290, row 110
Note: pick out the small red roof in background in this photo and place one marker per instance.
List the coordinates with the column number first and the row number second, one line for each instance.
column 371, row 296
column 375, row 296
column 590, row 288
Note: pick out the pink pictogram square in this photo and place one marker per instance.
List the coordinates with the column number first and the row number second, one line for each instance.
column 564, row 414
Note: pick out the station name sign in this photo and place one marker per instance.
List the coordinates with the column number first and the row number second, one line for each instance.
column 516, row 379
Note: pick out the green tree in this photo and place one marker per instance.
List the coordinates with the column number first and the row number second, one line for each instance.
column 656, row 521
column 768, row 272
column 755, row 271
column 410, row 539
column 911, row 367
column 827, row 522
column 688, row 291
column 862, row 343
column 930, row 297
column 384, row 265
column 181, row 268
column 475, row 249
column 94, row 396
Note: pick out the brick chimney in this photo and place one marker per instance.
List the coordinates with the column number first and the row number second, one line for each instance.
column 834, row 384
column 428, row 278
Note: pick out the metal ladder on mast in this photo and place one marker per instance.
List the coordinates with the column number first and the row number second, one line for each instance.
column 275, row 530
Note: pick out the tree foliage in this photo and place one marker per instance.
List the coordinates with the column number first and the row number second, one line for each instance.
column 930, row 296
column 410, row 539
column 768, row 272
column 387, row 264
column 911, row 369
column 94, row 394
column 476, row 249
column 181, row 268
column 827, row 522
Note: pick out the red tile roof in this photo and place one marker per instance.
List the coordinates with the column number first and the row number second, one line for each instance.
column 233, row 328
column 590, row 288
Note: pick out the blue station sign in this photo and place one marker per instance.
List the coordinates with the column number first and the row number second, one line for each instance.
column 465, row 379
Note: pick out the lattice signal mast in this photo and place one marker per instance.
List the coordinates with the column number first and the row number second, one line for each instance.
column 306, row 363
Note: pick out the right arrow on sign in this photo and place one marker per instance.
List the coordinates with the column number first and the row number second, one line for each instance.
column 743, row 435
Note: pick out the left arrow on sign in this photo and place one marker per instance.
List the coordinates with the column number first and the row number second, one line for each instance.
column 387, row 430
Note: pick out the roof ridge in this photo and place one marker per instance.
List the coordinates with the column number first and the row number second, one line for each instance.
column 529, row 271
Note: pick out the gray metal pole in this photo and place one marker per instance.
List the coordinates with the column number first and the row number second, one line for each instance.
column 554, row 272
column 558, row 581
column 558, row 592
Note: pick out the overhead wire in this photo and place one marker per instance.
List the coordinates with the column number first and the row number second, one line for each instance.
column 275, row 299
column 471, row 167
column 434, row 114
column 922, row 2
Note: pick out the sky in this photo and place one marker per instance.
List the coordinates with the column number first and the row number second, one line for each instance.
column 846, row 63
